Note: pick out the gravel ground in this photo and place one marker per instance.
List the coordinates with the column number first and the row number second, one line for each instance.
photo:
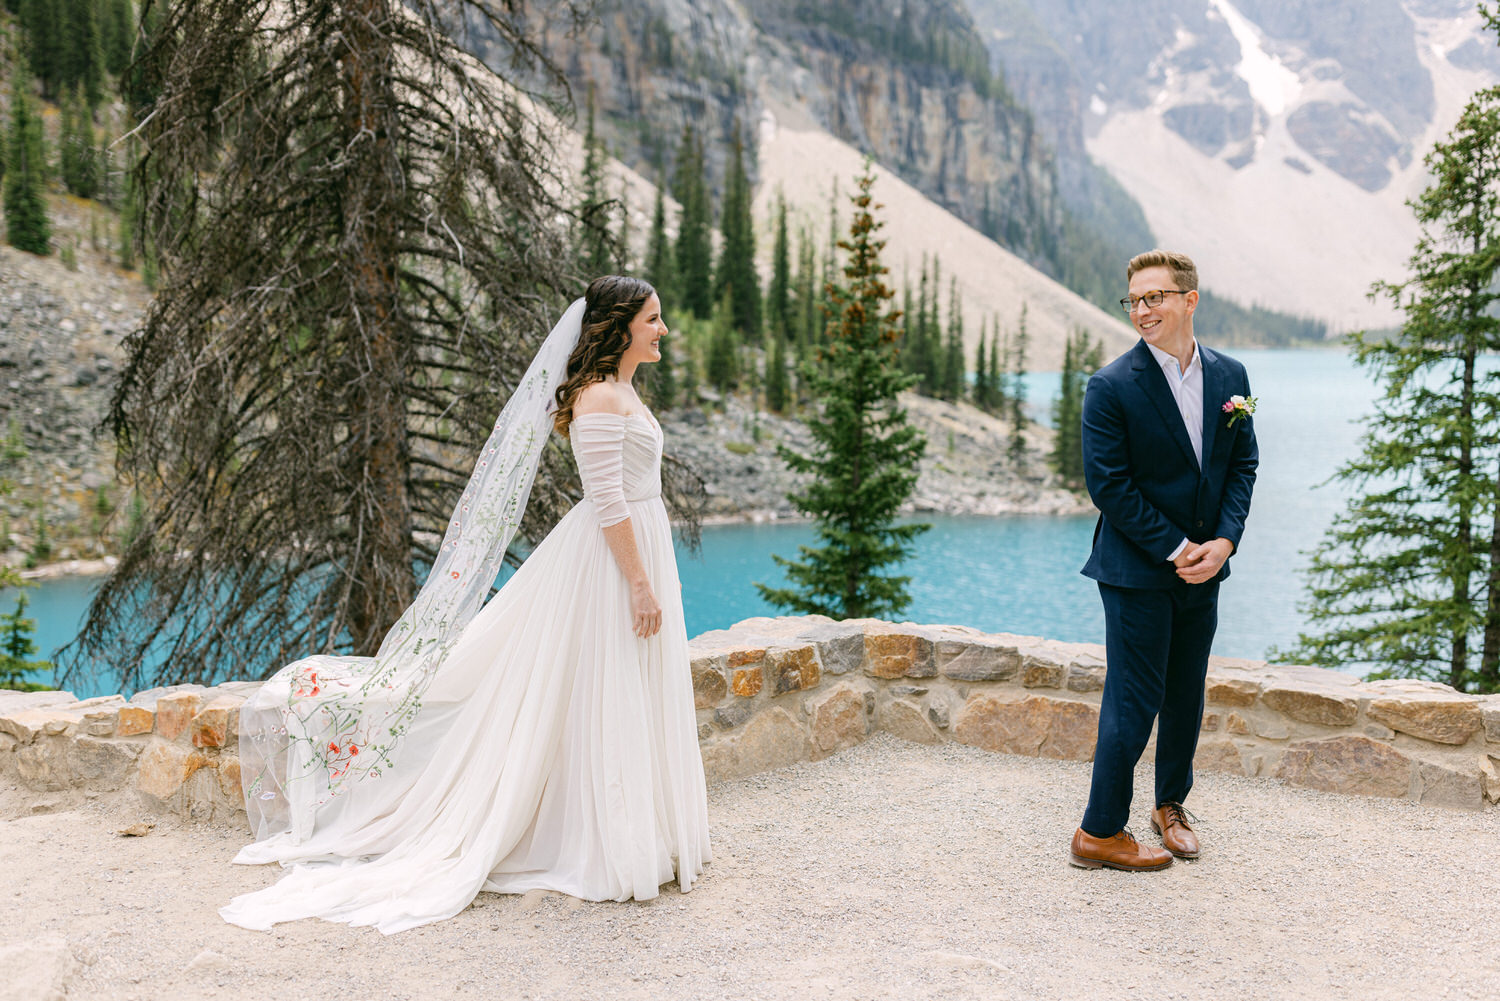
column 888, row 871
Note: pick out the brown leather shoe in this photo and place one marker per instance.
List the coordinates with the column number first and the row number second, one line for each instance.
column 1119, row 852
column 1170, row 820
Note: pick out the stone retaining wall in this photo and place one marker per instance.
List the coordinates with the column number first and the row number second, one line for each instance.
column 770, row 692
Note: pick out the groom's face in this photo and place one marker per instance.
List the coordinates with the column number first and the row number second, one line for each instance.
column 1168, row 326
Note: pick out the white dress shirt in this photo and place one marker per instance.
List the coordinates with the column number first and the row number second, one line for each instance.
column 1187, row 390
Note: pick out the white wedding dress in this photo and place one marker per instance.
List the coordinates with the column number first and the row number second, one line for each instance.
column 553, row 749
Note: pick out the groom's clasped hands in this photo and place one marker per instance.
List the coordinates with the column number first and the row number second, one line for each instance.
column 1200, row 563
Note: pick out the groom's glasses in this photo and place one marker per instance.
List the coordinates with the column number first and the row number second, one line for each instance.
column 1151, row 299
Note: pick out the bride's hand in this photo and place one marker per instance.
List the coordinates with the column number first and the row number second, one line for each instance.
column 645, row 610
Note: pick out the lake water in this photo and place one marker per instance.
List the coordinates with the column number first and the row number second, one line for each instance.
column 1019, row 574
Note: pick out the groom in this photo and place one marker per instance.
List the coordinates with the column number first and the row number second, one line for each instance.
column 1172, row 477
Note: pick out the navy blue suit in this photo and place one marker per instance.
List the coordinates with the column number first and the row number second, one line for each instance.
column 1143, row 477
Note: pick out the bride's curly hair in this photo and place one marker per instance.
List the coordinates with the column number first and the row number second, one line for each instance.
column 610, row 303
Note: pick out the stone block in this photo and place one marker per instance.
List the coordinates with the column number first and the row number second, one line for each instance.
column 964, row 661
column 1210, row 722
column 773, row 739
column 100, row 722
column 149, row 697
column 840, row 653
column 1036, row 726
column 733, row 715
column 705, row 731
column 1041, row 672
column 1271, row 729
column 1379, row 731
column 215, row 724
column 839, row 720
column 1237, row 724
column 745, row 657
column 230, row 783
column 165, row 767
column 15, row 702
column 27, row 724
column 794, row 669
column 1430, row 716
column 134, row 720
column 747, row 681
column 937, row 713
column 1235, row 692
column 175, row 712
column 1218, row 756
column 102, row 764
column 1307, row 705
column 906, row 720
column 1490, row 713
column 709, row 686
column 897, row 655
column 1085, row 677
column 1439, row 785
column 1489, row 773
column 43, row 764
column 1355, row 765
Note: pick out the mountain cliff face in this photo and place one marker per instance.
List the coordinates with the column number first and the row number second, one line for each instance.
column 907, row 83
column 1277, row 140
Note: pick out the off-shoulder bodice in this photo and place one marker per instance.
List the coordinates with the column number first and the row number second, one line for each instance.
column 619, row 460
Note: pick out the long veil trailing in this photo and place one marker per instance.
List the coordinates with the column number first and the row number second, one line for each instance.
column 324, row 727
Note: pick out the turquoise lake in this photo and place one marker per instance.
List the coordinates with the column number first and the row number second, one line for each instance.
column 1019, row 574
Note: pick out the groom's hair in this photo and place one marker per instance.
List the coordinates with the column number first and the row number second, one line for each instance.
column 609, row 305
column 1184, row 271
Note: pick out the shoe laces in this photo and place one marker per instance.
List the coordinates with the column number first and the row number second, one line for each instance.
column 1179, row 814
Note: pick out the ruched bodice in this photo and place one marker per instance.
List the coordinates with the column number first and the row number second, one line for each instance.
column 619, row 460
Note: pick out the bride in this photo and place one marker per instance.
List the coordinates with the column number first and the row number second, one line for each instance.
column 544, row 740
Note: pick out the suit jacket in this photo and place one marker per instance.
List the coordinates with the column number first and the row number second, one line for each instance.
column 1141, row 473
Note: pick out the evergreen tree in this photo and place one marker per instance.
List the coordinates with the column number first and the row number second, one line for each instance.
column 981, row 390
column 865, row 453
column 777, row 388
column 42, row 28
column 17, row 647
column 953, row 355
column 779, row 296
column 78, row 156
column 1016, row 392
column 723, row 368
column 1081, row 358
column 27, row 225
column 1408, row 576
column 694, row 252
column 659, row 269
column 661, row 382
column 736, row 275
column 598, row 245
column 999, row 367
column 82, row 53
column 117, row 34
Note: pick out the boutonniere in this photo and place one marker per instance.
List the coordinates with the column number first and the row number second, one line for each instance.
column 1238, row 407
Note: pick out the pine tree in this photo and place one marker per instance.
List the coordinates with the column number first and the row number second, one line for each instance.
column 27, row 224
column 661, row 382
column 736, row 275
column 117, row 34
column 597, row 243
column 953, row 355
column 1081, row 357
column 865, row 452
column 723, row 368
column 82, row 54
column 777, row 388
column 659, row 270
column 999, row 367
column 1408, row 576
column 694, row 252
column 981, row 390
column 1016, row 392
column 779, row 296
column 78, row 155
column 17, row 647
column 42, row 27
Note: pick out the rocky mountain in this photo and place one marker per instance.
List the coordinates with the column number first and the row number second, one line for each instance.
column 1276, row 140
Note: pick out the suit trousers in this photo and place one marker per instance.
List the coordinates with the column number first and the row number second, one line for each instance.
column 1156, row 647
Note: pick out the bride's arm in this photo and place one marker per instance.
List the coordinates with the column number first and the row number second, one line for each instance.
column 600, row 446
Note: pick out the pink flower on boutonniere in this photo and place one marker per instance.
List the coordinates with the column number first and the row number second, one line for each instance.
column 1238, row 407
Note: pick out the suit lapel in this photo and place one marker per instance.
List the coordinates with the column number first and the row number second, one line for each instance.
column 1149, row 376
column 1213, row 399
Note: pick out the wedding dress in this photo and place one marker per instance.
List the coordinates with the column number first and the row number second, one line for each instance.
column 553, row 748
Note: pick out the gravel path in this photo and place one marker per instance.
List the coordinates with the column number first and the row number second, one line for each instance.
column 891, row 870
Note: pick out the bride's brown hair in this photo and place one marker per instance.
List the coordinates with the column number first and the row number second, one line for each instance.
column 609, row 305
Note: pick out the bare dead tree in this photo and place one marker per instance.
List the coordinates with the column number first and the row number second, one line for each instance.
column 361, row 236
